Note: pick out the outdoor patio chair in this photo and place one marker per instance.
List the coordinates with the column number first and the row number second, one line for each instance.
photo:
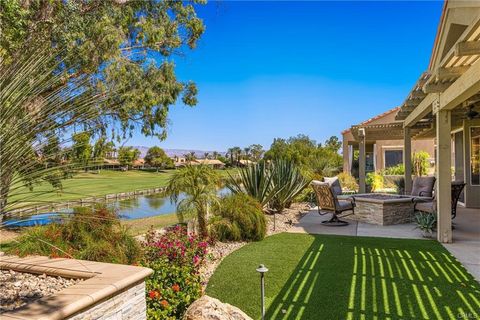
column 431, row 206
column 329, row 203
column 335, row 184
column 423, row 187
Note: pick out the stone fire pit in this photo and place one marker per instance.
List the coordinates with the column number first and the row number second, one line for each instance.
column 383, row 209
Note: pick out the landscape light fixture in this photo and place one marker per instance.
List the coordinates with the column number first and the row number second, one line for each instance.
column 262, row 270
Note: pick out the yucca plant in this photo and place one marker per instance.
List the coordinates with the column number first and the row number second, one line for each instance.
column 426, row 222
column 288, row 182
column 37, row 107
column 254, row 180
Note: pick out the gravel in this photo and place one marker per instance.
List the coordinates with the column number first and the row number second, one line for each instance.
column 19, row 288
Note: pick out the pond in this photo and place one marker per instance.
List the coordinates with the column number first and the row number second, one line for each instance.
column 134, row 208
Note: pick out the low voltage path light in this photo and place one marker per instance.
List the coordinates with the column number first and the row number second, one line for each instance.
column 262, row 270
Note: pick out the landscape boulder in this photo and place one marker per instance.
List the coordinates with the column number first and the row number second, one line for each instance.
column 208, row 308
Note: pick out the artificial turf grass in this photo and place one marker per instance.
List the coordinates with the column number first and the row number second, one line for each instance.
column 341, row 277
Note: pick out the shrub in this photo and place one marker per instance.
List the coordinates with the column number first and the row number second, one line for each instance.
column 397, row 170
column 426, row 222
column 375, row 180
column 348, row 181
column 420, row 163
column 238, row 217
column 87, row 234
column 176, row 258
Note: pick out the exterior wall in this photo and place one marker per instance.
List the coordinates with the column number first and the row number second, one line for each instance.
column 417, row 145
column 129, row 304
column 427, row 145
column 472, row 200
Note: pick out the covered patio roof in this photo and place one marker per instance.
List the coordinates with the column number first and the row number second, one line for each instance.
column 455, row 76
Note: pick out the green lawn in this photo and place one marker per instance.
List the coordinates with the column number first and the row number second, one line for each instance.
column 339, row 277
column 89, row 184
column 142, row 225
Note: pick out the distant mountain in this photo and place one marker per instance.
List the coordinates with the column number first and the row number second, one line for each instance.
column 177, row 152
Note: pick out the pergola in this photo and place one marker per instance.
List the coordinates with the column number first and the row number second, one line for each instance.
column 388, row 131
column 440, row 100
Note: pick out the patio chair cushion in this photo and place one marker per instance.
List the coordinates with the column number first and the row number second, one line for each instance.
column 335, row 184
column 426, row 206
column 423, row 186
column 344, row 205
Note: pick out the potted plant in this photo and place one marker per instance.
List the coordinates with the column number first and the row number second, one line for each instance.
column 426, row 222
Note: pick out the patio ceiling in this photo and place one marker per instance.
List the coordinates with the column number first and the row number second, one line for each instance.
column 460, row 60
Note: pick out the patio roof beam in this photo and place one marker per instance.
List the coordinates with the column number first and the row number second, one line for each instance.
column 467, row 48
column 452, row 72
column 421, row 110
column 465, row 87
column 436, row 87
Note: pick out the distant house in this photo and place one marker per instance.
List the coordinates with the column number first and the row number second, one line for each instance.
column 383, row 143
column 245, row 162
column 139, row 163
column 214, row 163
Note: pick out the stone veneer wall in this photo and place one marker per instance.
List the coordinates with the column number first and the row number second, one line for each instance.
column 382, row 214
column 128, row 304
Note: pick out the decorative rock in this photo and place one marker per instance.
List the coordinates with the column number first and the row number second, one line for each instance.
column 208, row 308
column 19, row 288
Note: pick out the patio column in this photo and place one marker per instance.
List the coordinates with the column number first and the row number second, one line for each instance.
column 361, row 160
column 444, row 176
column 407, row 159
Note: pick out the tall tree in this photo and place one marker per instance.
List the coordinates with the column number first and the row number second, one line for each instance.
column 246, row 152
column 110, row 44
column 127, row 155
column 156, row 157
column 256, row 151
column 82, row 149
column 333, row 143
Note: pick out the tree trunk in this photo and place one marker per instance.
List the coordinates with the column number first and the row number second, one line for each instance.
column 5, row 180
column 202, row 222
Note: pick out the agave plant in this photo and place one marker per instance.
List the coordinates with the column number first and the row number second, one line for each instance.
column 254, row 180
column 288, row 182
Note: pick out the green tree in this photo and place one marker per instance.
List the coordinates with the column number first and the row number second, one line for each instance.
column 109, row 44
column 156, row 157
column 81, row 148
column 199, row 184
column 31, row 125
column 127, row 155
column 313, row 159
column 333, row 143
column 256, row 150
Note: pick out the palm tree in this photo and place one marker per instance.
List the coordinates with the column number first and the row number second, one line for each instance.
column 230, row 153
column 246, row 151
column 237, row 151
column 199, row 185
column 215, row 155
column 205, row 155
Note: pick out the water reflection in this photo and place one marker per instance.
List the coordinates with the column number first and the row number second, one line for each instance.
column 134, row 208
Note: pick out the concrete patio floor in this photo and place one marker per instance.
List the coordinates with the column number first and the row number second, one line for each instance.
column 466, row 235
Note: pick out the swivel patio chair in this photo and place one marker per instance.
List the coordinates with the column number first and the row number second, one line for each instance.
column 423, row 187
column 329, row 203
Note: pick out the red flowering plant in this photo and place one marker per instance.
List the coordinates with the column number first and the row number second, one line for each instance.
column 176, row 257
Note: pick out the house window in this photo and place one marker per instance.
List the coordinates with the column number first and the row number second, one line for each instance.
column 475, row 155
column 393, row 158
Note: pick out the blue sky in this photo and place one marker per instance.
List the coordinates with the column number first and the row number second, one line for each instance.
column 276, row 69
